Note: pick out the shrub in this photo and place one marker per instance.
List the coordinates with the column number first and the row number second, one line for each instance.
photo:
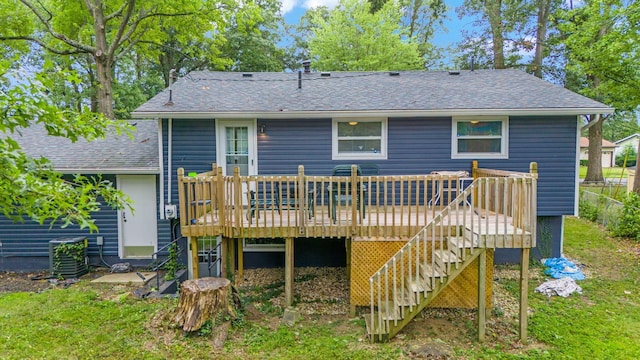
column 630, row 153
column 629, row 222
column 584, row 162
column 588, row 210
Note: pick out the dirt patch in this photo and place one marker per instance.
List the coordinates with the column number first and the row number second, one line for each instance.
column 40, row 281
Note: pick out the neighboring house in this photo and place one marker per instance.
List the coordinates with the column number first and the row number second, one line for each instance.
column 410, row 123
column 630, row 141
column 608, row 152
column 132, row 164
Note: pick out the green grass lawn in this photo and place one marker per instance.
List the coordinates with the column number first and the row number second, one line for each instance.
column 607, row 173
column 81, row 322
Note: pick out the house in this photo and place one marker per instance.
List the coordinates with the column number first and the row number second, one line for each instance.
column 608, row 152
column 132, row 164
column 629, row 141
column 255, row 166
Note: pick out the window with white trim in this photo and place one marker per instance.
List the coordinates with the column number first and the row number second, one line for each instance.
column 355, row 139
column 480, row 137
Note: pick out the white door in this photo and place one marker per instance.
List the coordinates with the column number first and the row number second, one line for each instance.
column 138, row 230
column 236, row 146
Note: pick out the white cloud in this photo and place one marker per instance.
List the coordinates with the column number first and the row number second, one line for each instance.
column 315, row 3
column 289, row 5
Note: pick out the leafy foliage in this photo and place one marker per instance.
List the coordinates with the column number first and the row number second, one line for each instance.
column 354, row 39
column 30, row 187
column 629, row 223
column 627, row 157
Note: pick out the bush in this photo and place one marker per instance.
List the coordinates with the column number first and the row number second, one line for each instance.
column 584, row 162
column 630, row 153
column 629, row 221
column 588, row 210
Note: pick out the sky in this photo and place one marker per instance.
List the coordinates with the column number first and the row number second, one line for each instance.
column 294, row 9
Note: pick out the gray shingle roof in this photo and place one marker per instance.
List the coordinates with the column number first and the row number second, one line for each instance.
column 221, row 93
column 112, row 155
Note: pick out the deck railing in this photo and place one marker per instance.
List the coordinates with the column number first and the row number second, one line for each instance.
column 275, row 206
column 492, row 212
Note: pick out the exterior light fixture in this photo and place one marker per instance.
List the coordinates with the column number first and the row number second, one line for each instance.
column 261, row 128
column 353, row 123
column 474, row 122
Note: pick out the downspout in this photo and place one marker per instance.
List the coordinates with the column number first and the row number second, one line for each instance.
column 169, row 157
column 161, row 163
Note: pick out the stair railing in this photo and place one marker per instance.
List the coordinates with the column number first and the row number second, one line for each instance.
column 487, row 211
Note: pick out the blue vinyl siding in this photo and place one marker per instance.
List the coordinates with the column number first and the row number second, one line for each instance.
column 25, row 246
column 415, row 146
column 422, row 145
column 194, row 149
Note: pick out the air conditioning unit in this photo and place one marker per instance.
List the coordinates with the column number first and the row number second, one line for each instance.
column 68, row 257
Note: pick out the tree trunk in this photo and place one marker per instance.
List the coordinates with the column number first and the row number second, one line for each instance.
column 544, row 7
column 494, row 11
column 594, row 166
column 103, row 57
column 203, row 299
column 105, row 84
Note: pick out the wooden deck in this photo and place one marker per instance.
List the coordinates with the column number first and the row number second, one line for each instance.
column 294, row 206
column 377, row 223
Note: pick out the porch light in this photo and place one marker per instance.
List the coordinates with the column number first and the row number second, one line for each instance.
column 353, row 123
column 474, row 122
column 261, row 128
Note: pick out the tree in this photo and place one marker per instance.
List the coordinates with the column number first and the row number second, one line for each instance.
column 30, row 187
column 105, row 31
column 601, row 40
column 310, row 22
column 500, row 22
column 420, row 17
column 354, row 39
column 253, row 45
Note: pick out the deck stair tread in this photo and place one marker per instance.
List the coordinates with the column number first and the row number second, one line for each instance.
column 390, row 311
column 374, row 329
column 406, row 298
column 421, row 283
column 462, row 242
column 445, row 257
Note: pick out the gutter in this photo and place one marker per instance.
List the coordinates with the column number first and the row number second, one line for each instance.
column 368, row 113
column 110, row 171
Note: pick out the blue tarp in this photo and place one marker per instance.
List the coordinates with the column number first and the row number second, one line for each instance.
column 561, row 267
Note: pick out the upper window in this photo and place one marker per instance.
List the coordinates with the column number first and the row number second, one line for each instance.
column 359, row 139
column 480, row 137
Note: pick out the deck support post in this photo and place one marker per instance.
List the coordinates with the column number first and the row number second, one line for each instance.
column 482, row 295
column 288, row 271
column 224, row 251
column 524, row 290
column 347, row 245
column 193, row 245
column 232, row 260
column 240, row 248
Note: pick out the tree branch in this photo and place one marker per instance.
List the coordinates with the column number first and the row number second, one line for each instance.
column 55, row 34
column 116, row 13
column 118, row 40
column 43, row 45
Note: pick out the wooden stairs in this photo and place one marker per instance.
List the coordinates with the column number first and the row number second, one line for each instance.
column 397, row 309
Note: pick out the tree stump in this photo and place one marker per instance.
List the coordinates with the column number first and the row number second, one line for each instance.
column 202, row 299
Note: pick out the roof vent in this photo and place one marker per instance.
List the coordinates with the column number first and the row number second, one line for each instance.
column 247, row 75
column 307, row 66
column 454, row 72
column 325, row 74
column 394, row 73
